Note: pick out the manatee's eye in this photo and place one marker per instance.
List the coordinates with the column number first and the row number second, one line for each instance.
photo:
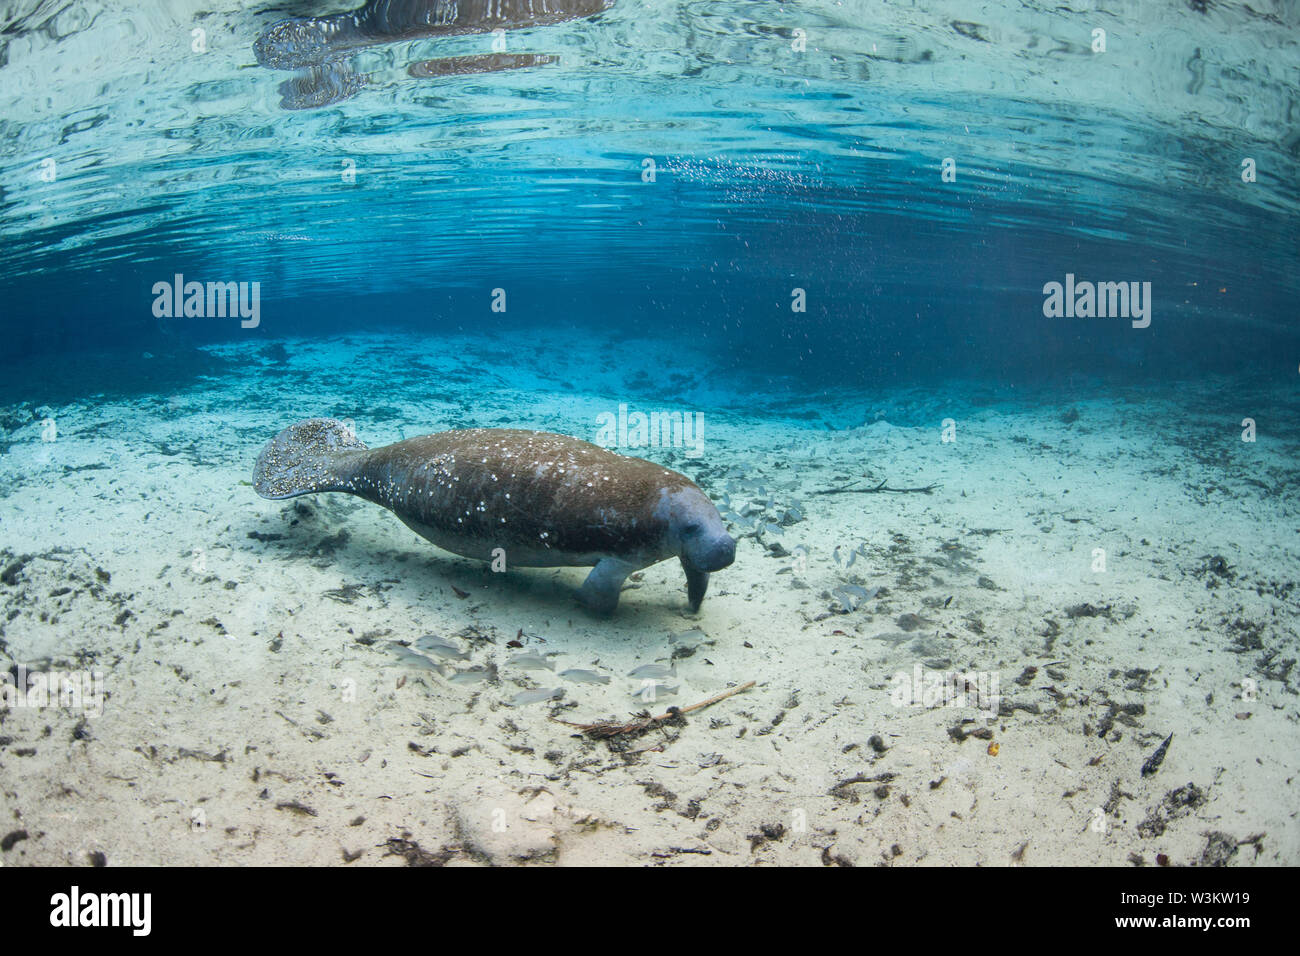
column 692, row 528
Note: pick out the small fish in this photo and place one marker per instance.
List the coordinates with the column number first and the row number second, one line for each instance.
column 1153, row 762
column 435, row 646
column 772, row 528
column 688, row 639
column 531, row 661
column 470, row 675
column 649, row 671
column 852, row 596
column 581, row 676
column 793, row 514
column 534, row 696
column 652, row 690
column 412, row 659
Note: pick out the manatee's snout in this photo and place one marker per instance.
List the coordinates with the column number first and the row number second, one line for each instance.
column 717, row 553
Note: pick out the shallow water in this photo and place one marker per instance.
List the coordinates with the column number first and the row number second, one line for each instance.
column 997, row 553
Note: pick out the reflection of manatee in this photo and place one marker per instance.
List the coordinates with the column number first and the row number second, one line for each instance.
column 321, row 85
column 482, row 63
column 319, row 46
column 293, row 44
column 334, row 82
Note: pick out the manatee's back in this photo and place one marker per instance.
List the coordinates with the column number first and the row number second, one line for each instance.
column 516, row 487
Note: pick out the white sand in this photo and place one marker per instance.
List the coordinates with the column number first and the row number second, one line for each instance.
column 239, row 690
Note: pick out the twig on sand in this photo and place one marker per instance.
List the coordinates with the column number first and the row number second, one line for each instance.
column 610, row 728
column 879, row 488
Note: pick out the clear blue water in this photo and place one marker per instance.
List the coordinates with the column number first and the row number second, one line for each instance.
column 776, row 168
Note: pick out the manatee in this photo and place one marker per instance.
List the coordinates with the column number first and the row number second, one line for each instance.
column 546, row 500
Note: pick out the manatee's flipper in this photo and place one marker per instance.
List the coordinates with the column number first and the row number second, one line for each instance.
column 697, row 582
column 309, row 456
column 604, row 584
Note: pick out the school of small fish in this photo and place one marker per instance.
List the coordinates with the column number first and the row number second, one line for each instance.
column 759, row 512
column 434, row 654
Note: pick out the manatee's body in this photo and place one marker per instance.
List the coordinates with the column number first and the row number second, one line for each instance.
column 545, row 500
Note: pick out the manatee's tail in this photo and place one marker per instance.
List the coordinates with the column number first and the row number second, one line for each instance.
column 306, row 457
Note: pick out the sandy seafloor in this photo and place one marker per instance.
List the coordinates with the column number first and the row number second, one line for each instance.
column 256, row 713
